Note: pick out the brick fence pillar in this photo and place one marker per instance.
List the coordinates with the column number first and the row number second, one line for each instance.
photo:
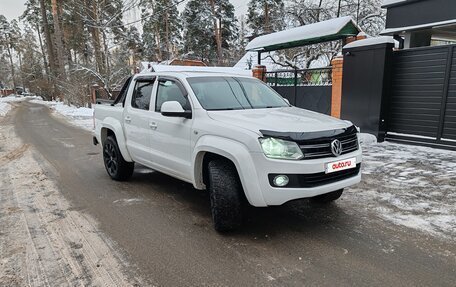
column 336, row 98
column 259, row 72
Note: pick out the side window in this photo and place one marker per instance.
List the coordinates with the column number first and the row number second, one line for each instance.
column 168, row 90
column 142, row 94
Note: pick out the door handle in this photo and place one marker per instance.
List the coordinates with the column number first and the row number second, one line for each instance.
column 127, row 119
column 153, row 125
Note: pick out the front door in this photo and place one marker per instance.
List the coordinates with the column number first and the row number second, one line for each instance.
column 170, row 137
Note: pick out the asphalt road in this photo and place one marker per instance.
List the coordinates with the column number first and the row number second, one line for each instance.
column 163, row 227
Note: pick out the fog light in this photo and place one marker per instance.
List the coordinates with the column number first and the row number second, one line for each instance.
column 281, row 180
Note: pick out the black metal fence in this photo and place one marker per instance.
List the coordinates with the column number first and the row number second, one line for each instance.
column 423, row 96
column 305, row 77
column 308, row 89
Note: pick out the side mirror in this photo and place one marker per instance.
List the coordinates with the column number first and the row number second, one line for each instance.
column 174, row 109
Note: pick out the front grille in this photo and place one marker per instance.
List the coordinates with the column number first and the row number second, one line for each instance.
column 321, row 148
column 317, row 179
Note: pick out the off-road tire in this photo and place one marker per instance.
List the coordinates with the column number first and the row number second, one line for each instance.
column 116, row 166
column 226, row 195
column 328, row 197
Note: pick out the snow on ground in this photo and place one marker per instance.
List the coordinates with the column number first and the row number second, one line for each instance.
column 43, row 238
column 81, row 117
column 409, row 186
column 5, row 107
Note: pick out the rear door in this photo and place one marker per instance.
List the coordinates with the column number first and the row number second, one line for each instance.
column 170, row 137
column 136, row 120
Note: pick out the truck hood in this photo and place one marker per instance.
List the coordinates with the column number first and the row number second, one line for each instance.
column 288, row 119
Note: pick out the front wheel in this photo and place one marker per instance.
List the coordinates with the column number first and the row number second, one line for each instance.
column 226, row 195
column 115, row 164
column 328, row 197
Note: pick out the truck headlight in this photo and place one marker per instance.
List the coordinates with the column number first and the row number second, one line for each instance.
column 280, row 149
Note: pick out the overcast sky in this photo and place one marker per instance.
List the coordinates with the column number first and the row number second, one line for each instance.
column 14, row 8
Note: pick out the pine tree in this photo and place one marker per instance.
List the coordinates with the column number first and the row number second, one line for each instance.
column 198, row 30
column 266, row 16
column 228, row 25
column 210, row 29
column 9, row 37
column 32, row 17
column 161, row 31
column 30, row 62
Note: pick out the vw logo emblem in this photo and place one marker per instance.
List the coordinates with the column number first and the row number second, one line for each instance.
column 336, row 147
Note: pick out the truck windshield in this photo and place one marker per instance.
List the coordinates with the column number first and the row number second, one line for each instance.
column 234, row 93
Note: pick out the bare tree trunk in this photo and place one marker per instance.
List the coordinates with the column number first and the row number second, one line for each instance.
column 46, row 68
column 106, row 54
column 338, row 8
column 20, row 69
column 95, row 33
column 47, row 35
column 319, row 10
column 168, row 41
column 217, row 30
column 59, row 40
column 158, row 41
column 268, row 28
column 10, row 56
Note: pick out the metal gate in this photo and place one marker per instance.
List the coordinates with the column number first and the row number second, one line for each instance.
column 422, row 106
column 308, row 89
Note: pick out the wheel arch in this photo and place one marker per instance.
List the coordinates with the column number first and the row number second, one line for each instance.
column 210, row 147
column 112, row 127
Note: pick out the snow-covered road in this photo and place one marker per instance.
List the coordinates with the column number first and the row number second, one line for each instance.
column 393, row 229
column 410, row 186
column 81, row 117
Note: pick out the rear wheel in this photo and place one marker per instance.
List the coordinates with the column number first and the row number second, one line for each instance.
column 115, row 164
column 226, row 195
column 328, row 197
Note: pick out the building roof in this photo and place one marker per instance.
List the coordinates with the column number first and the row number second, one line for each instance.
column 370, row 42
column 324, row 31
column 396, row 30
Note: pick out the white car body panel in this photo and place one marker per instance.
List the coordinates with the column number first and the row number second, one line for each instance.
column 176, row 146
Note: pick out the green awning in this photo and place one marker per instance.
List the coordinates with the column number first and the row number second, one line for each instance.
column 330, row 30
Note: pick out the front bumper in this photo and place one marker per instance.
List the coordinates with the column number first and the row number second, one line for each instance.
column 280, row 195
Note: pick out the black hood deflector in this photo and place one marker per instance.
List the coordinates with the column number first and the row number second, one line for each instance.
column 309, row 136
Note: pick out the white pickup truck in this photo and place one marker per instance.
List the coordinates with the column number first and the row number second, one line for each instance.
column 230, row 134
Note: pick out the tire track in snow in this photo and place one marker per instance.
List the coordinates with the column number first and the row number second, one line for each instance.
column 43, row 241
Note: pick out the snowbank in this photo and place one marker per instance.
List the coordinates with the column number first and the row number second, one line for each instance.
column 81, row 117
column 367, row 138
column 5, row 107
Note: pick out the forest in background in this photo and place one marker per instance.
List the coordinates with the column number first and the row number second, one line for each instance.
column 60, row 48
